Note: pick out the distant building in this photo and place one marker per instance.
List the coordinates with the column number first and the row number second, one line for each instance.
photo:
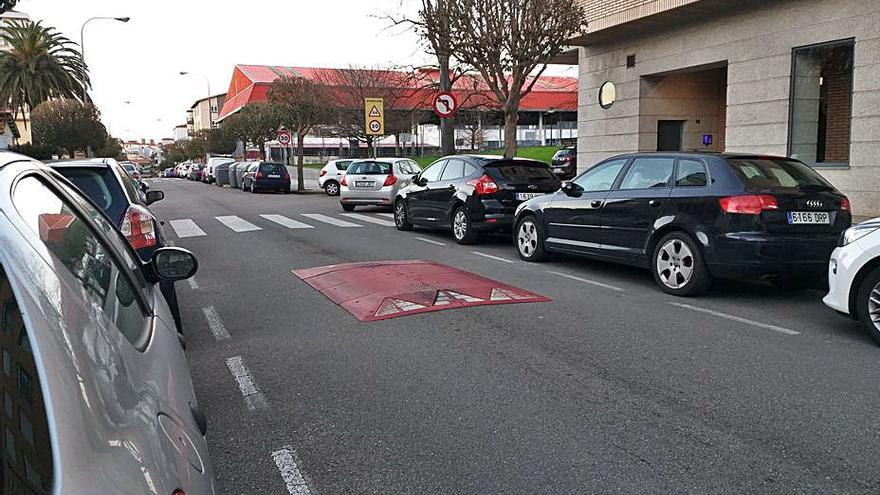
column 205, row 113
column 181, row 132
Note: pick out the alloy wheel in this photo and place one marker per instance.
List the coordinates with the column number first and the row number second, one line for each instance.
column 874, row 306
column 332, row 189
column 527, row 238
column 460, row 225
column 675, row 264
column 400, row 214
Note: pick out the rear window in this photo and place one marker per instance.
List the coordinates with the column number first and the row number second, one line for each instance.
column 343, row 165
column 768, row 173
column 369, row 168
column 563, row 153
column 521, row 171
column 272, row 168
column 101, row 187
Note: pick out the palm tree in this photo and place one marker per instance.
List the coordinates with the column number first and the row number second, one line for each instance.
column 39, row 65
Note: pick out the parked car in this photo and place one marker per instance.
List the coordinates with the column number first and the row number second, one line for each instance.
column 471, row 194
column 195, row 172
column 564, row 163
column 146, row 171
column 692, row 217
column 331, row 175
column 210, row 169
column 117, row 195
column 375, row 182
column 131, row 169
column 266, row 176
column 854, row 276
column 104, row 394
column 168, row 172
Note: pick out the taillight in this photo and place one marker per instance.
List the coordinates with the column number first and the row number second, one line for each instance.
column 484, row 185
column 259, row 175
column 569, row 158
column 343, row 182
column 323, row 173
column 845, row 205
column 390, row 180
column 138, row 226
column 286, row 176
column 752, row 204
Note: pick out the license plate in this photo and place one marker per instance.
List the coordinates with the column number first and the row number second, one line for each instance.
column 527, row 196
column 274, row 176
column 809, row 217
column 363, row 184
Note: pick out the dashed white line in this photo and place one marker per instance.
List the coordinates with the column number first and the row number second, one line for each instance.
column 429, row 241
column 588, row 281
column 237, row 224
column 186, row 228
column 330, row 220
column 489, row 256
column 285, row 459
column 215, row 323
column 252, row 395
column 192, row 283
column 365, row 218
column 737, row 319
column 287, row 222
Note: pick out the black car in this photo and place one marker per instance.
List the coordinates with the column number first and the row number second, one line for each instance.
column 266, row 176
column 471, row 194
column 564, row 163
column 120, row 197
column 690, row 217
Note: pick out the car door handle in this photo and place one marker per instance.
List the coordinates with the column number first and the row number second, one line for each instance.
column 654, row 203
column 596, row 204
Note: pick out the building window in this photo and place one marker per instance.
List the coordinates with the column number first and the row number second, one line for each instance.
column 821, row 103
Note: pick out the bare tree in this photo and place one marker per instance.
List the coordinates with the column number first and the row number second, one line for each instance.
column 509, row 42
column 255, row 122
column 300, row 105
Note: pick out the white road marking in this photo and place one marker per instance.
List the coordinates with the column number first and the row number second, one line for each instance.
column 330, row 220
column 215, row 323
column 252, row 395
column 237, row 224
column 386, row 215
column 285, row 459
column 187, row 228
column 588, row 281
column 169, row 243
column 365, row 218
column 737, row 319
column 489, row 256
column 192, row 283
column 429, row 241
column 287, row 222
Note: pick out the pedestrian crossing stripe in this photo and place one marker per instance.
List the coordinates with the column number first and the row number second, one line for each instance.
column 392, row 306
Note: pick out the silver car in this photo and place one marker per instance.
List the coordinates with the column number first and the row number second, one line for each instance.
column 101, row 400
column 375, row 181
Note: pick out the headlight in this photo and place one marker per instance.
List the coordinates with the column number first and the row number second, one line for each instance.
column 853, row 234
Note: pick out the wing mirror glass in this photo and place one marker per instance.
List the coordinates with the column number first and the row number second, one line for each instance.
column 572, row 189
column 154, row 197
column 173, row 264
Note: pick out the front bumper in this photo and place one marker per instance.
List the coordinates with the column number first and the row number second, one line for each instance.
column 842, row 270
column 756, row 255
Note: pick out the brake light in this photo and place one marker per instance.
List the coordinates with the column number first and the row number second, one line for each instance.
column 138, row 227
column 259, row 175
column 343, row 182
column 286, row 176
column 845, row 205
column 569, row 158
column 484, row 185
column 323, row 173
column 390, row 180
column 748, row 205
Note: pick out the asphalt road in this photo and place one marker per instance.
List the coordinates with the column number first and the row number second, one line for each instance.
column 614, row 387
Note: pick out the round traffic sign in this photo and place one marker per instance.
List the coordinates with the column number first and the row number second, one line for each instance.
column 445, row 105
column 284, row 137
column 375, row 126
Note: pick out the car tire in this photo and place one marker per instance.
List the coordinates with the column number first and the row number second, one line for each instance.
column 347, row 207
column 865, row 305
column 678, row 266
column 529, row 239
column 462, row 230
column 401, row 216
column 331, row 188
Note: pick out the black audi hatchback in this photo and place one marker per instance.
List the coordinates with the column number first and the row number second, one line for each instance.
column 471, row 194
column 691, row 217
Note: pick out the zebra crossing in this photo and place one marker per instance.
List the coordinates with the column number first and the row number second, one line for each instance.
column 187, row 227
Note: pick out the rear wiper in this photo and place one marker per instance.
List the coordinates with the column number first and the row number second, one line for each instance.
column 815, row 187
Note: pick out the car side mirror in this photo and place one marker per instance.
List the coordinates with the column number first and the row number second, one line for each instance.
column 154, row 197
column 571, row 189
column 174, row 264
column 420, row 181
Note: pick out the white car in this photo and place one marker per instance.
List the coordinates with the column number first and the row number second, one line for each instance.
column 854, row 276
column 331, row 176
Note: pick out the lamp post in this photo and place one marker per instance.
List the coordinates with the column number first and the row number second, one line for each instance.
column 82, row 43
column 208, row 84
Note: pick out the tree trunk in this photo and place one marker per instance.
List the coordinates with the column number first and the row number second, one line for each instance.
column 511, row 118
column 300, row 180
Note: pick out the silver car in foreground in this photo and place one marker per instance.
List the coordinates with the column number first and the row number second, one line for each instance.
column 375, row 181
column 97, row 390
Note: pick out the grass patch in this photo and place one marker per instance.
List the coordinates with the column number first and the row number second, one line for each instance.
column 539, row 153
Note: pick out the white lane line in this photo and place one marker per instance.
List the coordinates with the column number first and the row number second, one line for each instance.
column 192, row 283
column 287, row 222
column 588, row 281
column 237, row 224
column 252, row 395
column 215, row 323
column 429, row 241
column 330, row 220
column 186, row 228
column 489, row 256
column 365, row 218
column 737, row 319
column 285, row 459
column 386, row 215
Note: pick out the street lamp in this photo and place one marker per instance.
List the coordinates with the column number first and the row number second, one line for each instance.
column 82, row 43
column 208, row 83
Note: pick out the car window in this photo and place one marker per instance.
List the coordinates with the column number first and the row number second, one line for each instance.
column 648, row 173
column 432, row 173
column 414, row 167
column 763, row 173
column 100, row 186
column 27, row 448
column 369, row 168
column 522, row 171
column 131, row 187
column 469, row 169
column 454, row 170
column 343, row 165
column 602, row 176
column 563, row 153
column 76, row 248
column 273, row 168
column 691, row 173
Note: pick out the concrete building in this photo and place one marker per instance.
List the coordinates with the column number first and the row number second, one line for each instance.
column 796, row 78
column 181, row 133
column 205, row 112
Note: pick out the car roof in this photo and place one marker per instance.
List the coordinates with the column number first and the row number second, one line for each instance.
column 392, row 159
column 80, row 164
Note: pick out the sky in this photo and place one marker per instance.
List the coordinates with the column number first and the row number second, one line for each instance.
column 135, row 67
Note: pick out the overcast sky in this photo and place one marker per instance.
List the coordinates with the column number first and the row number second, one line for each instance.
column 139, row 62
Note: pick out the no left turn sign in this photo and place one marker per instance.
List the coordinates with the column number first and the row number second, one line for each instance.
column 445, row 105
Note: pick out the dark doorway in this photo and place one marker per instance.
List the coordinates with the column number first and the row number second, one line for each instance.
column 669, row 135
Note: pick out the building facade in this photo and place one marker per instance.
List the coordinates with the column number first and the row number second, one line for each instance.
column 797, row 78
column 204, row 113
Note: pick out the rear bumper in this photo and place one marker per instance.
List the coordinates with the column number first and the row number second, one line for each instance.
column 748, row 255
column 382, row 197
column 564, row 172
column 271, row 185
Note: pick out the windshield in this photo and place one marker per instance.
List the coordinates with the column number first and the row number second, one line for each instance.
column 564, row 153
column 370, row 168
column 767, row 173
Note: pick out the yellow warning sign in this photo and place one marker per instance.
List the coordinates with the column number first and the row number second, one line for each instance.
column 374, row 109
